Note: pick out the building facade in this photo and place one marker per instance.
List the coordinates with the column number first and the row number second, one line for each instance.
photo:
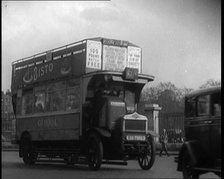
column 7, row 117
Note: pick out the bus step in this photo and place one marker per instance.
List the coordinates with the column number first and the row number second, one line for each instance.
column 57, row 151
column 48, row 157
column 51, row 161
column 115, row 162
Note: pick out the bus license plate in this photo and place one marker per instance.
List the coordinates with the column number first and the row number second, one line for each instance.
column 135, row 137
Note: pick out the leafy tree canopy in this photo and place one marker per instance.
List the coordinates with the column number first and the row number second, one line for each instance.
column 169, row 97
column 210, row 83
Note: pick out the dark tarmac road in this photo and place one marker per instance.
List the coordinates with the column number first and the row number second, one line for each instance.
column 13, row 168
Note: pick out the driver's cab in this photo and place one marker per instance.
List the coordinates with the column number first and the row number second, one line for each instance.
column 110, row 96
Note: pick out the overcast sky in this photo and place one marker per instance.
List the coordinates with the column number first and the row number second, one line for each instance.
column 180, row 39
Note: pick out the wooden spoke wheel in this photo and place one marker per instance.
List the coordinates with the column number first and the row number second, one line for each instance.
column 146, row 156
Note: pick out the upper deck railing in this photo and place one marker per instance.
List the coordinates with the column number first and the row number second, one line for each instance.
column 52, row 50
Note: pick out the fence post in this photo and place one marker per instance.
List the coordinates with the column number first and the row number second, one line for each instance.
column 152, row 113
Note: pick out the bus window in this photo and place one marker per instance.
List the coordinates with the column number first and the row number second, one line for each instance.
column 203, row 105
column 216, row 104
column 130, row 101
column 73, row 95
column 39, row 99
column 55, row 99
column 27, row 103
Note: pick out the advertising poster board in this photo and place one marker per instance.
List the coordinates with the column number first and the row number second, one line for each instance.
column 93, row 54
column 134, row 58
column 114, row 58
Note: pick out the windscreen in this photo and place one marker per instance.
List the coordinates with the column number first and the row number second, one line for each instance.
column 125, row 91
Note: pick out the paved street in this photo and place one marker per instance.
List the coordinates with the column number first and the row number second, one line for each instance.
column 13, row 168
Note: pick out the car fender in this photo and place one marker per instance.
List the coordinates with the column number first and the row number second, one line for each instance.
column 192, row 148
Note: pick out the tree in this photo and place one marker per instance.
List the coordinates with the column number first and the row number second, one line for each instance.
column 210, row 83
column 167, row 95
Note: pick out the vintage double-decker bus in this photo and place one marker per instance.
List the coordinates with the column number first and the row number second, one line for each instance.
column 78, row 104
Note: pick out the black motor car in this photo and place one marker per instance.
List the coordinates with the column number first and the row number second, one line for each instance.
column 201, row 152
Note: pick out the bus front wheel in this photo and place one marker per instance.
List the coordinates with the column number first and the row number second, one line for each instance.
column 146, row 156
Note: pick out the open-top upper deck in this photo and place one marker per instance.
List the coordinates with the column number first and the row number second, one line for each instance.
column 76, row 59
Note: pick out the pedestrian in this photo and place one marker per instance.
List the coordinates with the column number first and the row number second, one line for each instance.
column 163, row 140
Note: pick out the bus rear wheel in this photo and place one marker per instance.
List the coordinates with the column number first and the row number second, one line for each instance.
column 95, row 152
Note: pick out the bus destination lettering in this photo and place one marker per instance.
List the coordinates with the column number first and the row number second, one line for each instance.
column 47, row 122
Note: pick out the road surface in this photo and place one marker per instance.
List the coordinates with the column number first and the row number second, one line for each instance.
column 13, row 168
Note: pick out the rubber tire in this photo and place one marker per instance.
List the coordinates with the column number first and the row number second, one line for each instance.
column 187, row 169
column 146, row 158
column 28, row 152
column 95, row 152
